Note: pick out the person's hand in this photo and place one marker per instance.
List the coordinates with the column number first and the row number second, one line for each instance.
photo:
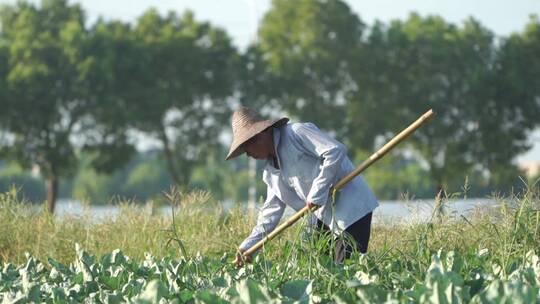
column 311, row 205
column 241, row 259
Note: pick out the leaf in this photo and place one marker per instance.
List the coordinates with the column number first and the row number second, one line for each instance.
column 507, row 292
column 110, row 282
column 371, row 294
column 58, row 295
column 365, row 278
column 220, row 282
column 83, row 263
column 206, row 296
column 30, row 263
column 113, row 299
column 251, row 292
column 343, row 299
column 33, row 293
column 154, row 291
column 299, row 290
column 61, row 268
column 116, row 257
column 91, row 286
column 454, row 262
column 185, row 295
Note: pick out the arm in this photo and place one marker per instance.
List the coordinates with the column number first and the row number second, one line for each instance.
column 269, row 216
column 330, row 151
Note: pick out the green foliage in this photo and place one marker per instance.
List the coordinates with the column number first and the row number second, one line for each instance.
column 226, row 180
column 426, row 62
column 322, row 68
column 64, row 80
column 117, row 278
column 169, row 77
column 114, row 59
column 68, row 90
column 490, row 258
column 396, row 176
column 91, row 186
column 188, row 72
column 144, row 177
column 308, row 46
column 47, row 101
column 28, row 187
column 40, row 106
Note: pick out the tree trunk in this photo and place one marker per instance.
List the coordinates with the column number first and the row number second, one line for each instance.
column 170, row 158
column 52, row 192
column 440, row 191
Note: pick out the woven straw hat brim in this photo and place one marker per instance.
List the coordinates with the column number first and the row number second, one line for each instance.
column 256, row 128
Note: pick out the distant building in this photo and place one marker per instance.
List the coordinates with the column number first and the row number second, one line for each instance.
column 531, row 168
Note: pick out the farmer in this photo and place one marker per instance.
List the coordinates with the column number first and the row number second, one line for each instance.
column 302, row 165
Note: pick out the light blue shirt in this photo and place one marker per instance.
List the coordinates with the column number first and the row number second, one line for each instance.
column 310, row 162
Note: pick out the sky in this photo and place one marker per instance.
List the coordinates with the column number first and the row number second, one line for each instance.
column 240, row 17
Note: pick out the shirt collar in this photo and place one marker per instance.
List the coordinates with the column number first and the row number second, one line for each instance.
column 276, row 136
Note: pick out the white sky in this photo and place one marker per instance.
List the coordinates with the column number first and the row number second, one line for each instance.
column 240, row 17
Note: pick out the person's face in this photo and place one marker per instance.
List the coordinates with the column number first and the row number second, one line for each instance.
column 259, row 146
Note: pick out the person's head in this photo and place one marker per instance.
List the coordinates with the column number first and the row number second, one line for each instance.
column 252, row 134
column 260, row 146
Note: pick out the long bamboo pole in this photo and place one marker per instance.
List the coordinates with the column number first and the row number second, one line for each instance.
column 363, row 166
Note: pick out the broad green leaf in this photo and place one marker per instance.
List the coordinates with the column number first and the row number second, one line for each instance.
column 110, row 282
column 185, row 295
column 250, row 291
column 61, row 268
column 208, row 298
column 154, row 291
column 297, row 290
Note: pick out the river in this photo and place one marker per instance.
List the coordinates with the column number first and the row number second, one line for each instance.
column 389, row 212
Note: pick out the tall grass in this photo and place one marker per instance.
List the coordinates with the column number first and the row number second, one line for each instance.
column 200, row 225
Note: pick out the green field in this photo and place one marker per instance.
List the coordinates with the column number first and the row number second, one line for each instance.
column 145, row 257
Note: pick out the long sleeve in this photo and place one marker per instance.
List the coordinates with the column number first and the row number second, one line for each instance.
column 269, row 216
column 329, row 150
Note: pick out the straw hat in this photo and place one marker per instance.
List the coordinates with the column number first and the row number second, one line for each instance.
column 246, row 124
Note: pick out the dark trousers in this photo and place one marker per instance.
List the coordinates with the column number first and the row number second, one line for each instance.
column 359, row 231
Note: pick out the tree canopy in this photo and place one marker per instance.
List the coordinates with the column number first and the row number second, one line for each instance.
column 73, row 93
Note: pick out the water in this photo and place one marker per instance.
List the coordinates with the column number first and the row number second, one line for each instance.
column 395, row 212
column 389, row 212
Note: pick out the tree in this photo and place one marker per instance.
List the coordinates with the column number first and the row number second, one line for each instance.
column 28, row 187
column 378, row 73
column 516, row 93
column 308, row 46
column 4, row 61
column 429, row 63
column 53, row 106
column 254, row 84
column 44, row 85
column 181, row 100
column 114, row 58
